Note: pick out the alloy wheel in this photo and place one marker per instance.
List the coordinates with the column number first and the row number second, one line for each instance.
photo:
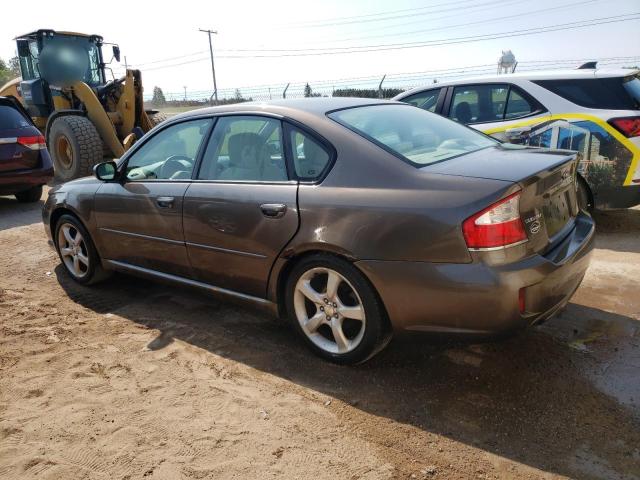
column 73, row 250
column 329, row 310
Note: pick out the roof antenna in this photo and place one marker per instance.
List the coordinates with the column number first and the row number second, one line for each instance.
column 588, row 66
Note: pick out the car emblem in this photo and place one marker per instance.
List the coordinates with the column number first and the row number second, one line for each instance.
column 534, row 227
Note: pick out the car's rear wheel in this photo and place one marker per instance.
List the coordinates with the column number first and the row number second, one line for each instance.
column 77, row 251
column 336, row 311
column 29, row 196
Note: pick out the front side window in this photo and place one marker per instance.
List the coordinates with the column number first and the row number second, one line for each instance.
column 478, row 103
column 309, row 157
column 411, row 133
column 427, row 100
column 245, row 148
column 170, row 154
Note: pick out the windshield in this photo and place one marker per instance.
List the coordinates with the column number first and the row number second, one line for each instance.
column 417, row 136
column 78, row 55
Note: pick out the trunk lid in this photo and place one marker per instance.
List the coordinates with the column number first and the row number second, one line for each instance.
column 547, row 179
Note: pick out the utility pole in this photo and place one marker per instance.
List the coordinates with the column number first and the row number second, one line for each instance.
column 126, row 66
column 213, row 68
column 185, row 93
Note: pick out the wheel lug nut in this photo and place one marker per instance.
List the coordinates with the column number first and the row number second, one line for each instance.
column 328, row 318
column 326, row 300
column 335, row 305
column 335, row 315
column 322, row 309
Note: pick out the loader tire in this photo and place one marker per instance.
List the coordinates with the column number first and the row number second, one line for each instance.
column 157, row 118
column 75, row 146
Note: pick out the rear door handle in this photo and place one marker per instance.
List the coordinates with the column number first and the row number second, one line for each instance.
column 165, row 202
column 273, row 210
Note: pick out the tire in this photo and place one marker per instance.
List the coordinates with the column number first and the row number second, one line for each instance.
column 157, row 118
column 585, row 199
column 75, row 146
column 361, row 339
column 90, row 272
column 30, row 196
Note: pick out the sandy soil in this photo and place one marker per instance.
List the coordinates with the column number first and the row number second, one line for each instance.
column 135, row 380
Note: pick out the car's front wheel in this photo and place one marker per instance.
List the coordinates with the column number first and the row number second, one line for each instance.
column 77, row 252
column 335, row 310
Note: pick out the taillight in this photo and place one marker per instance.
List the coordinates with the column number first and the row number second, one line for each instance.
column 36, row 142
column 497, row 226
column 628, row 126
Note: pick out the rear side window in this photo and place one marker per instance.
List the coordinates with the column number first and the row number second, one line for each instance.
column 10, row 118
column 479, row 103
column 426, row 100
column 517, row 106
column 309, row 157
column 618, row 93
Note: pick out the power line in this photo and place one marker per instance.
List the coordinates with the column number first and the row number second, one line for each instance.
column 392, row 12
column 416, row 77
column 478, row 22
column 389, row 46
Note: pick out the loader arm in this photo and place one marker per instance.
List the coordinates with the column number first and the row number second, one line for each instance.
column 98, row 116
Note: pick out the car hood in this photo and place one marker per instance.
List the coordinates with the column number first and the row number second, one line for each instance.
column 506, row 162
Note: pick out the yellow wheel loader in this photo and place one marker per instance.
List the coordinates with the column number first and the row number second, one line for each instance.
column 82, row 116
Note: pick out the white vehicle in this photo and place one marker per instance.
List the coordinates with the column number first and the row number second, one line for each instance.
column 595, row 112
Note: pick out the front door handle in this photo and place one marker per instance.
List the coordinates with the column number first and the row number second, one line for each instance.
column 273, row 210
column 165, row 202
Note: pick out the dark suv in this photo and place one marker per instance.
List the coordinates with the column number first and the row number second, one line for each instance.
column 25, row 165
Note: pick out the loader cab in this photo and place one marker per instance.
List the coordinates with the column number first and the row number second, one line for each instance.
column 51, row 60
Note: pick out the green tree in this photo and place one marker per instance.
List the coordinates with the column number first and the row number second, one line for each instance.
column 158, row 99
column 307, row 90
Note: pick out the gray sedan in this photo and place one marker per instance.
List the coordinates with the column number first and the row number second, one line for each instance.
column 352, row 218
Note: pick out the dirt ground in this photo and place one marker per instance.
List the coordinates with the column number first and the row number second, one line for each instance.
column 133, row 379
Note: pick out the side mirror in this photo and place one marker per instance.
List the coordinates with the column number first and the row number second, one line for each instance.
column 23, row 47
column 105, row 171
column 116, row 53
column 517, row 133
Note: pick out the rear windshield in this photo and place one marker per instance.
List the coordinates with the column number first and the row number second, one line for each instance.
column 417, row 136
column 618, row 93
column 10, row 118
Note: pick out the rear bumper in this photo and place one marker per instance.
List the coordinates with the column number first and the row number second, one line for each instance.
column 476, row 298
column 20, row 180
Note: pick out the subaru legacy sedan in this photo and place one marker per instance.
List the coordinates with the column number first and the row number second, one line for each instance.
column 352, row 218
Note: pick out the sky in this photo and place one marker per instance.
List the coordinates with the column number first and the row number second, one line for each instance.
column 261, row 46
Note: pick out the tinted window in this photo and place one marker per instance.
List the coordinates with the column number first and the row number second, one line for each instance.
column 517, row 106
column 411, row 133
column 244, row 148
column 478, row 103
column 610, row 93
column 309, row 157
column 11, row 118
column 425, row 100
column 170, row 154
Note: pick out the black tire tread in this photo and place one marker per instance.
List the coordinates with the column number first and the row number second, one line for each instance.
column 30, row 196
column 90, row 148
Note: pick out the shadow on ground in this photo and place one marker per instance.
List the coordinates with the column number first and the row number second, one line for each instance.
column 529, row 398
column 16, row 214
